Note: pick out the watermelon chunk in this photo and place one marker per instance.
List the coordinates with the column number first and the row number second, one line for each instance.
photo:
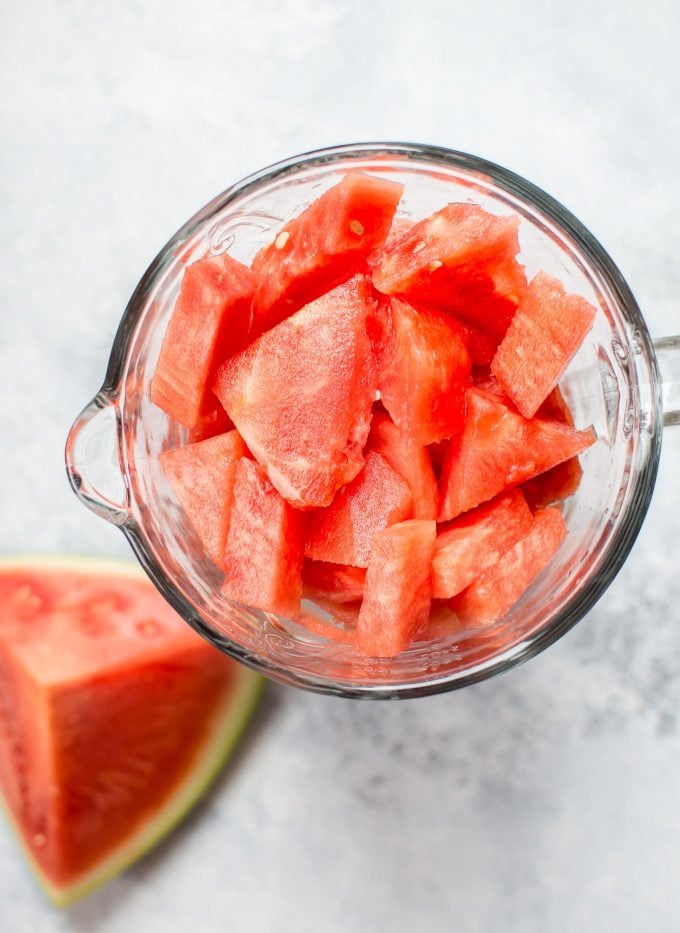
column 115, row 716
column 263, row 557
column 499, row 448
column 475, row 541
column 425, row 371
column 461, row 258
column 209, row 322
column 301, row 395
column 202, row 478
column 545, row 333
column 334, row 583
column 342, row 533
column 409, row 459
column 491, row 596
column 396, row 604
column 323, row 246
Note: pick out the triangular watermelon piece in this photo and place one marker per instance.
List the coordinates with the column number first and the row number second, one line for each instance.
column 462, row 259
column 202, row 478
column 263, row 556
column 114, row 716
column 301, row 395
column 425, row 370
column 498, row 449
column 409, row 459
column 376, row 498
column 210, row 321
column 398, row 592
column 469, row 545
column 490, row 597
column 544, row 335
column 323, row 246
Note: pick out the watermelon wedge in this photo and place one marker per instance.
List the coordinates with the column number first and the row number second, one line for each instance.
column 498, row 449
column 461, row 258
column 490, row 597
column 424, row 374
column 473, row 542
column 409, row 459
column 396, row 604
column 301, row 395
column 323, row 246
column 544, row 335
column 202, row 478
column 209, row 322
column 342, row 533
column 263, row 556
column 115, row 716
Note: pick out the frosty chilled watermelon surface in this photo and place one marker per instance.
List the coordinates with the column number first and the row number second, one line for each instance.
column 396, row 393
column 114, row 716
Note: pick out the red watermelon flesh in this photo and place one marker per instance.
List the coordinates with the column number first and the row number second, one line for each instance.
column 323, row 246
column 462, row 258
column 301, row 395
column 209, row 322
column 498, row 448
column 544, row 335
column 343, row 532
column 335, row 583
column 493, row 594
column 202, row 478
column 109, row 703
column 215, row 422
column 473, row 542
column 396, row 603
column 554, row 485
column 480, row 344
column 424, row 373
column 263, row 557
column 409, row 459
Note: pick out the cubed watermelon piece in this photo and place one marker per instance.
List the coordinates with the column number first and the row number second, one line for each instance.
column 425, row 371
column 301, row 395
column 323, row 246
column 336, row 583
column 490, row 597
column 468, row 546
column 409, row 459
column 461, row 258
column 202, row 478
column 263, row 557
column 376, row 498
column 398, row 592
column 546, row 331
column 209, row 322
column 498, row 448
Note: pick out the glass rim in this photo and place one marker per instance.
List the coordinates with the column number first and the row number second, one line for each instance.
column 624, row 537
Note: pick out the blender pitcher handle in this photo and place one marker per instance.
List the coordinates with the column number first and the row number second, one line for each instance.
column 667, row 351
column 93, row 460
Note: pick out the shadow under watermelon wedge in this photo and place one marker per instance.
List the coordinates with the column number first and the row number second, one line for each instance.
column 115, row 716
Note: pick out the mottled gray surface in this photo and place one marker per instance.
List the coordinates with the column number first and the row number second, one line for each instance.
column 545, row 800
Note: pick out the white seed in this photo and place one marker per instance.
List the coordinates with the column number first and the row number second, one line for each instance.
column 281, row 239
column 356, row 227
column 436, row 264
column 419, row 246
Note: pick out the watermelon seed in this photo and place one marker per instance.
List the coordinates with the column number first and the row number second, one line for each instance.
column 148, row 627
column 356, row 227
column 436, row 264
column 419, row 247
column 282, row 239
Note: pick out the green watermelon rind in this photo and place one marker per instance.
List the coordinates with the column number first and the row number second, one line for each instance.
column 229, row 722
